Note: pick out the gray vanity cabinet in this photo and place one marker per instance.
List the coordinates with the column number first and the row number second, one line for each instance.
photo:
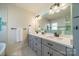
column 35, row 44
column 48, row 48
column 47, row 51
column 51, row 49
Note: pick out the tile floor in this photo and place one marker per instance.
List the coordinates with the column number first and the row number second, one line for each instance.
column 24, row 51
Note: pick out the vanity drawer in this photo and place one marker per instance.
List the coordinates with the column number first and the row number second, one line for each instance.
column 37, row 51
column 47, row 43
column 60, row 48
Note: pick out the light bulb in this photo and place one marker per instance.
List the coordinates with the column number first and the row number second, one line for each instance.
column 55, row 7
column 64, row 7
column 51, row 12
column 63, row 4
column 40, row 17
column 58, row 10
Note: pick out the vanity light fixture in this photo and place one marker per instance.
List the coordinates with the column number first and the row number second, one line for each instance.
column 38, row 17
column 57, row 7
column 54, row 8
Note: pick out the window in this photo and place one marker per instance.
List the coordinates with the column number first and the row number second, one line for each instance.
column 54, row 26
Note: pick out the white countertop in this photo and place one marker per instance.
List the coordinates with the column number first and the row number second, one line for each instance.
column 64, row 40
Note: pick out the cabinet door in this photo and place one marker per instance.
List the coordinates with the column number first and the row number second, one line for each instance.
column 45, row 51
column 37, row 45
column 70, row 52
column 59, row 47
column 51, row 52
column 37, row 51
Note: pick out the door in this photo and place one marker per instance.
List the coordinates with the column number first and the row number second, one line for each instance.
column 75, row 12
column 76, row 35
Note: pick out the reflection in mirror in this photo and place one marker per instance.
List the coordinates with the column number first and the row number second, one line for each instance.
column 58, row 22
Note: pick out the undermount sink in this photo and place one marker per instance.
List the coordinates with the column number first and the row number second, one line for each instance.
column 50, row 37
column 2, row 49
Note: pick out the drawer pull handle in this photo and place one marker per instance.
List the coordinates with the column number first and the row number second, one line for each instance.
column 36, row 51
column 50, row 44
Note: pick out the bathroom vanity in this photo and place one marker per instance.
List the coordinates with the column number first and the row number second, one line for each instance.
column 64, row 25
column 44, row 45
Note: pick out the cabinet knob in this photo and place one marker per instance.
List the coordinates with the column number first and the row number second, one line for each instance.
column 76, row 27
column 48, row 52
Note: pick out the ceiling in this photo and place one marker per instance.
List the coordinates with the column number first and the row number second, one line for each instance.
column 42, row 8
column 35, row 8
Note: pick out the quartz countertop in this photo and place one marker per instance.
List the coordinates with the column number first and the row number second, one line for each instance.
column 64, row 40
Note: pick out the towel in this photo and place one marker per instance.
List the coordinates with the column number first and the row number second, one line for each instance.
column 19, row 35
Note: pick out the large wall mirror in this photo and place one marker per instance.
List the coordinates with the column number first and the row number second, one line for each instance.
column 59, row 22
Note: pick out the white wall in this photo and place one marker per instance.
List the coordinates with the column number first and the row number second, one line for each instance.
column 15, row 17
